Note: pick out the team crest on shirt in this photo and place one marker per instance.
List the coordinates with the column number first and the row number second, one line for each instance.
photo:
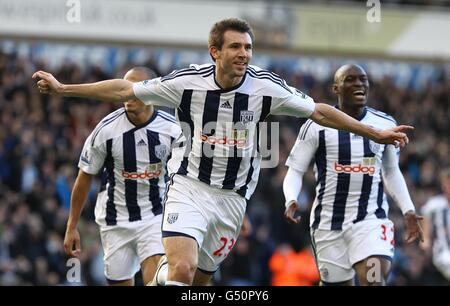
column 246, row 116
column 161, row 151
column 374, row 147
column 172, row 218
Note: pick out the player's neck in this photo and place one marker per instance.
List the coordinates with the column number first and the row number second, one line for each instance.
column 141, row 117
column 226, row 81
column 353, row 111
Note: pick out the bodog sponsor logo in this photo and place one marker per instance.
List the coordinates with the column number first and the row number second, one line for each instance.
column 239, row 139
column 152, row 171
column 370, row 170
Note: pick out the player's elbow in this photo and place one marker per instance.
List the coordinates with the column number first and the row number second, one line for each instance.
column 319, row 114
column 126, row 92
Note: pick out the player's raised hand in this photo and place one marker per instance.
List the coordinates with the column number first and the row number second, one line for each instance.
column 71, row 241
column 395, row 136
column 47, row 83
column 413, row 228
column 290, row 212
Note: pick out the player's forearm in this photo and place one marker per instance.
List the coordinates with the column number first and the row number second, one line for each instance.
column 331, row 117
column 78, row 198
column 292, row 185
column 116, row 90
column 397, row 189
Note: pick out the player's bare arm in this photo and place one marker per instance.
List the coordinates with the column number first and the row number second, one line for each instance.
column 329, row 116
column 115, row 90
column 72, row 245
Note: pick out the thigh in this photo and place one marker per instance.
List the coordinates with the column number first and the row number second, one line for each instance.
column 182, row 215
column 372, row 271
column 148, row 268
column 331, row 256
column 181, row 249
column 202, row 278
column 226, row 217
column 120, row 257
column 371, row 238
column 149, row 239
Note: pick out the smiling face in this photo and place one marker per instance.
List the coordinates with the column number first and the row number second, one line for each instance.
column 233, row 57
column 351, row 85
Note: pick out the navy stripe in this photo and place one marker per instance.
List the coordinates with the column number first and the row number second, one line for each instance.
column 268, row 77
column 266, row 105
column 154, row 196
column 105, row 123
column 387, row 117
column 366, row 188
column 265, row 111
column 167, row 117
column 264, row 74
column 189, row 69
column 184, row 115
column 380, row 213
column 343, row 182
column 129, row 165
column 210, row 113
column 188, row 72
column 271, row 74
column 103, row 179
column 445, row 213
column 111, row 212
column 234, row 162
column 243, row 190
column 208, row 74
column 305, row 130
column 321, row 164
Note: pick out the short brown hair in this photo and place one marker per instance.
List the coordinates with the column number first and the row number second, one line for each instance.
column 219, row 28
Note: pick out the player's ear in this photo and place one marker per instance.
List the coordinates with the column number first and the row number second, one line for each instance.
column 335, row 89
column 214, row 52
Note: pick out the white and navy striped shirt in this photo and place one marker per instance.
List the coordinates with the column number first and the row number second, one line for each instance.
column 348, row 171
column 223, row 125
column 438, row 210
column 133, row 159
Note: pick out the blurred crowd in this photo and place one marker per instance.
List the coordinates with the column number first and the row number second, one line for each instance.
column 41, row 138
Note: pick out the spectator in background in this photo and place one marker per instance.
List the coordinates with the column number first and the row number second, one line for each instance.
column 49, row 134
column 437, row 227
column 290, row 268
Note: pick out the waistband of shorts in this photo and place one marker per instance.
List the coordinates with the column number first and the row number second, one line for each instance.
column 213, row 189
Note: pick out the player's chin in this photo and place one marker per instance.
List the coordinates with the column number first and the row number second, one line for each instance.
column 240, row 70
column 359, row 101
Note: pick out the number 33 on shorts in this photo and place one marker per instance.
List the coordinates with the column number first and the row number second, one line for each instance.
column 387, row 234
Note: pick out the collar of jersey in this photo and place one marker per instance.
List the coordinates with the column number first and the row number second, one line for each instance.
column 362, row 115
column 152, row 117
column 231, row 88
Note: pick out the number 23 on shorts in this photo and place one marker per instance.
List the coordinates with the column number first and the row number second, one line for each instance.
column 227, row 245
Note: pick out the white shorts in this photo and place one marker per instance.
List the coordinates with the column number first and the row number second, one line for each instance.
column 337, row 251
column 441, row 261
column 125, row 248
column 211, row 216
